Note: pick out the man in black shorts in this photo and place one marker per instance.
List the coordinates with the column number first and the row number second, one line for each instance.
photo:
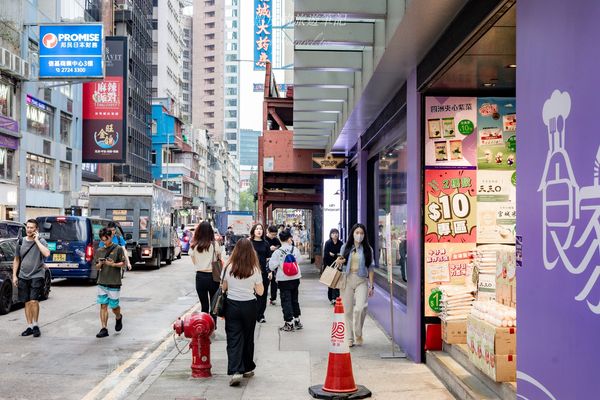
column 29, row 277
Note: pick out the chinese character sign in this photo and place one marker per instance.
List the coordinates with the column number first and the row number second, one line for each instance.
column 71, row 51
column 263, row 34
column 450, row 205
column 450, row 132
column 104, row 113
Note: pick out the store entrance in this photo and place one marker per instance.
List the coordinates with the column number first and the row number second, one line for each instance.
column 469, row 210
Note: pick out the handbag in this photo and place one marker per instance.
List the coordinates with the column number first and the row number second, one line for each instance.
column 219, row 300
column 217, row 266
column 330, row 276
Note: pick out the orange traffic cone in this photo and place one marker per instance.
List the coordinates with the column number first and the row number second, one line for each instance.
column 339, row 382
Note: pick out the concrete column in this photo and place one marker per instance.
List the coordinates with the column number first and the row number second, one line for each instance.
column 414, row 235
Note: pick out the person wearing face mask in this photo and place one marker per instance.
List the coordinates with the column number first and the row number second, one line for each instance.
column 357, row 264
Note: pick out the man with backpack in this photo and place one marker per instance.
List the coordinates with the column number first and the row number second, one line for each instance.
column 284, row 260
column 29, row 274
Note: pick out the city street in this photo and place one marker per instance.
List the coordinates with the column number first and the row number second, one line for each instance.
column 69, row 362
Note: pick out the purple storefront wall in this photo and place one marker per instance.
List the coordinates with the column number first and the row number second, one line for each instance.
column 407, row 319
column 558, row 289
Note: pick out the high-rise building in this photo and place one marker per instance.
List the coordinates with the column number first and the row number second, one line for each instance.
column 167, row 47
column 232, row 76
column 208, row 50
column 133, row 18
column 187, row 65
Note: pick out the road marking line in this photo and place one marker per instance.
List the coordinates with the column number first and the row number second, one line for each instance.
column 131, row 376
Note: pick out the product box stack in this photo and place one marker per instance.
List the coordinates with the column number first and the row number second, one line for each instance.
column 492, row 340
column 506, row 287
column 456, row 303
column 485, row 264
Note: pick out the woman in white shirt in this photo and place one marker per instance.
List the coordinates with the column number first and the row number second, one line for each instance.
column 203, row 249
column 242, row 280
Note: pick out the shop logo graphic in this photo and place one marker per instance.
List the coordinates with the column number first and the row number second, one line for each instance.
column 539, row 391
column 50, row 40
column 566, row 206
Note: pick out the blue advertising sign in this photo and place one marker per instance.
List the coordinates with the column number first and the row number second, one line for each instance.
column 263, row 32
column 71, row 51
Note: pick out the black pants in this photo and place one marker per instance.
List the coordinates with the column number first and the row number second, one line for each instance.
column 206, row 288
column 288, row 292
column 262, row 300
column 273, row 287
column 240, row 321
column 333, row 294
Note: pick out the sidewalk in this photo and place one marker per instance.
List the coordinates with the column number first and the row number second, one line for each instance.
column 289, row 362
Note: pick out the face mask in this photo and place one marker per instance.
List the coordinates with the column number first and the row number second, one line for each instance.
column 358, row 238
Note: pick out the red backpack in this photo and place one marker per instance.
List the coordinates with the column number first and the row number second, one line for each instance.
column 290, row 265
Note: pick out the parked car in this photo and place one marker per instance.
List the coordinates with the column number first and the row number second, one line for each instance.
column 10, row 229
column 8, row 293
column 73, row 241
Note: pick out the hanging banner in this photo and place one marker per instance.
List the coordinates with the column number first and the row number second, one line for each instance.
column 104, row 108
column 450, row 132
column 263, row 32
column 497, row 133
column 71, row 51
column 450, row 205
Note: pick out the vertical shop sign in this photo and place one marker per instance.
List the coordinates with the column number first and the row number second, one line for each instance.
column 450, row 206
column 104, row 108
column 263, row 32
column 559, row 200
column 450, row 132
column 497, row 133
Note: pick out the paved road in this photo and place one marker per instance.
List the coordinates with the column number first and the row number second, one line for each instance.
column 69, row 362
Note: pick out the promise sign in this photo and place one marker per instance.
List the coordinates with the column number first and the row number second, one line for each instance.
column 104, row 108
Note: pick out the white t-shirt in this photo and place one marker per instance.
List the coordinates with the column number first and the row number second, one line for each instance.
column 242, row 289
column 203, row 260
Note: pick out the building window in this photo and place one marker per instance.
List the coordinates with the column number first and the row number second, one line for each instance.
column 186, row 65
column 209, row 3
column 186, row 97
column 390, row 200
column 230, row 125
column 209, row 25
column 231, row 68
column 209, row 58
column 230, row 57
column 231, row 114
column 155, row 70
column 154, row 24
column 230, row 46
column 209, row 47
column 231, row 135
column 153, row 127
column 231, row 91
column 232, row 80
column 209, row 103
column 39, row 118
column 7, row 157
column 185, row 86
column 209, row 14
column 65, row 128
column 153, row 156
column 209, row 70
column 232, row 147
column 65, row 177
column 209, row 36
column 210, row 92
column 40, row 172
column 231, row 103
column 6, row 100
column 209, row 81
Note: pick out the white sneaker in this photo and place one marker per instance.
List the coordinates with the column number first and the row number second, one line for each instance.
column 236, row 379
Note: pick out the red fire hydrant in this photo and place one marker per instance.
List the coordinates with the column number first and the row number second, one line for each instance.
column 198, row 327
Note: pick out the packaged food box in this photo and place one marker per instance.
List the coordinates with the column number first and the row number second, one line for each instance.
column 454, row 332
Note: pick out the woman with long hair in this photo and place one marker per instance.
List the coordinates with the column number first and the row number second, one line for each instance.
column 331, row 251
column 203, row 250
column 357, row 263
column 263, row 252
column 242, row 280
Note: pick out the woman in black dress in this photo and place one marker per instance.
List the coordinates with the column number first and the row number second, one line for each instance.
column 330, row 253
column 261, row 246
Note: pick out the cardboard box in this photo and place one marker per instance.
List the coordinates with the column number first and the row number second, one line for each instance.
column 492, row 349
column 454, row 332
column 506, row 261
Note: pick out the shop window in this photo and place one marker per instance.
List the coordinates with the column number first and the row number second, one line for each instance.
column 390, row 200
column 65, row 128
column 40, row 172
column 7, row 157
column 40, row 118
column 6, row 100
column 64, row 181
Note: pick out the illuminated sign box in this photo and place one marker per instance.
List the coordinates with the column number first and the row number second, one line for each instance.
column 71, row 51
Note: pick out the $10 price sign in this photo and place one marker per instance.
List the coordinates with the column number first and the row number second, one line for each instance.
column 450, row 205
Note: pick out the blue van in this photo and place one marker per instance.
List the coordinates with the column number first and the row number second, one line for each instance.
column 73, row 241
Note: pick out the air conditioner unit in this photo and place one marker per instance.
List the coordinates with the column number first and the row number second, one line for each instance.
column 5, row 59
column 123, row 6
column 26, row 70
column 17, row 65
